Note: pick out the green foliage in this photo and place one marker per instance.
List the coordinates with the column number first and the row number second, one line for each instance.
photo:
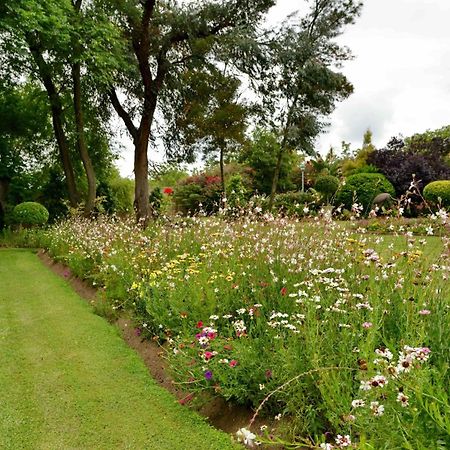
column 327, row 185
column 188, row 198
column 236, row 192
column 155, row 199
column 30, row 213
column 261, row 155
column 363, row 188
column 357, row 162
column 293, row 203
column 438, row 192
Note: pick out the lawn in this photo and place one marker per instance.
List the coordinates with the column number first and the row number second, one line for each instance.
column 67, row 379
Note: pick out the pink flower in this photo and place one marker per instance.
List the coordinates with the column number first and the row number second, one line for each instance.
column 367, row 325
column 208, row 355
column 424, row 312
column 233, row 363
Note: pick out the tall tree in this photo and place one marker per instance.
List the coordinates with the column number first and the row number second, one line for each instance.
column 210, row 116
column 55, row 42
column 166, row 39
column 294, row 71
column 24, row 135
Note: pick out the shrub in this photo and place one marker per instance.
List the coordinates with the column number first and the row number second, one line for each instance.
column 292, row 203
column 363, row 188
column 399, row 163
column 155, row 199
column 236, row 192
column 327, row 185
column 30, row 213
column 438, row 192
column 199, row 192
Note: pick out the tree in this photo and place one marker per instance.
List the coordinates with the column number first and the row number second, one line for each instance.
column 293, row 69
column 260, row 153
column 24, row 136
column 167, row 39
column 209, row 116
column 55, row 42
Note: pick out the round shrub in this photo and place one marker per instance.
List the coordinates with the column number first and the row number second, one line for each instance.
column 363, row 188
column 30, row 213
column 327, row 185
column 438, row 192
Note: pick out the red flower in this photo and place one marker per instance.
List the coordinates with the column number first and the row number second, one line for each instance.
column 283, row 291
column 199, row 324
column 233, row 363
column 168, row 190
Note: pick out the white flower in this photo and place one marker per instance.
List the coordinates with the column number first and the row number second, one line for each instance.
column 358, row 403
column 246, row 436
column 403, row 399
column 377, row 409
column 343, row 441
column 326, row 446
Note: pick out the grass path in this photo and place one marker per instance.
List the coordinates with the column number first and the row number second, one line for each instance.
column 68, row 381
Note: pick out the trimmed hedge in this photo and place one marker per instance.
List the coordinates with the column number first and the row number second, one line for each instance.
column 30, row 213
column 363, row 188
column 438, row 190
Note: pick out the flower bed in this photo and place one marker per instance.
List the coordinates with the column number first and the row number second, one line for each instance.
column 345, row 335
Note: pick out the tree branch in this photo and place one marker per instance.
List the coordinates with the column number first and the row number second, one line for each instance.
column 123, row 114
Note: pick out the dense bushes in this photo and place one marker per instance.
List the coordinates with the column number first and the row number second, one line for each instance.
column 363, row 188
column 293, row 203
column 400, row 164
column 199, row 192
column 438, row 192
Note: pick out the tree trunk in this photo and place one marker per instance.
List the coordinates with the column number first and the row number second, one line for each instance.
column 79, row 123
column 141, row 189
column 222, row 171
column 57, row 119
column 4, row 185
column 276, row 177
column 81, row 140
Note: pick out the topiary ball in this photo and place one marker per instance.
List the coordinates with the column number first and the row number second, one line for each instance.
column 363, row 188
column 327, row 185
column 30, row 213
column 438, row 192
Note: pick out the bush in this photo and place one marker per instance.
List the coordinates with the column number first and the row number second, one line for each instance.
column 327, row 185
column 292, row 203
column 438, row 192
column 30, row 213
column 363, row 188
column 200, row 192
column 236, row 192
column 399, row 164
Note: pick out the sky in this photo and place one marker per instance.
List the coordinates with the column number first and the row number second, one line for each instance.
column 400, row 73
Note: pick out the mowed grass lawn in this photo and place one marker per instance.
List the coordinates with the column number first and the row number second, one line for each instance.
column 68, row 381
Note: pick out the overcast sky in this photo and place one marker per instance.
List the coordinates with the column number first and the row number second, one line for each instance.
column 401, row 73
